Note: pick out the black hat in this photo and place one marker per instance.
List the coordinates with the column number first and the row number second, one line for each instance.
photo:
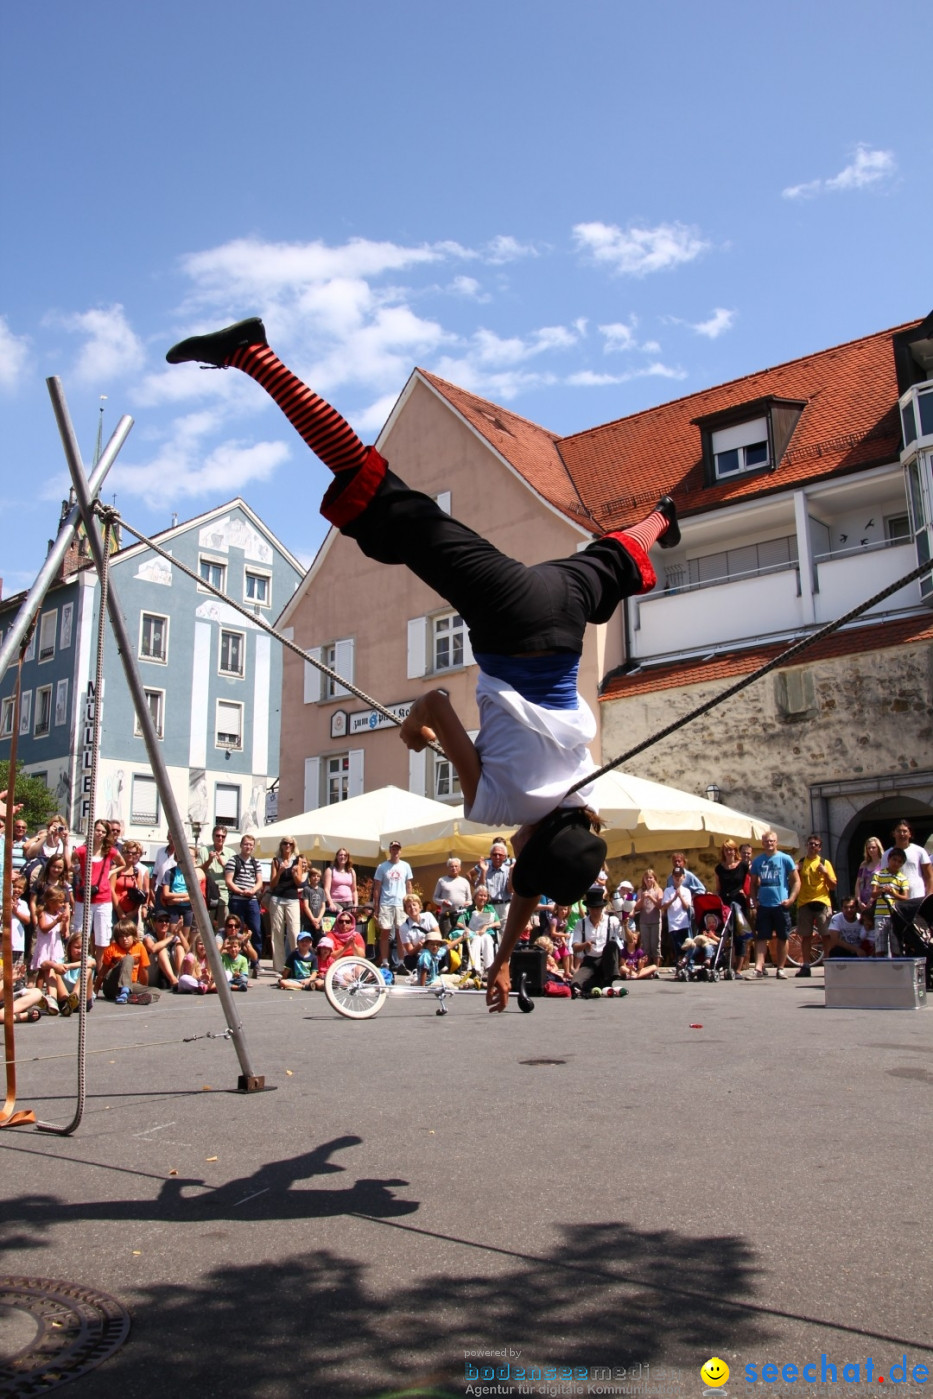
column 595, row 896
column 562, row 858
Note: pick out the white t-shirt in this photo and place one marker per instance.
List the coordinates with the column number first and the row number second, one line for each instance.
column 846, row 931
column 529, row 755
column 917, row 857
column 392, row 877
column 678, row 913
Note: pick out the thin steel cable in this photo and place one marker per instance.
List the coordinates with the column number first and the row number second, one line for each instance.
column 270, row 629
column 747, row 680
column 87, row 903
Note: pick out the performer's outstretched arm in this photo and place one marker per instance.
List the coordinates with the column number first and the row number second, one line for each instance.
column 432, row 716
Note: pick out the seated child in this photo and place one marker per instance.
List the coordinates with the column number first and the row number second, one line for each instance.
column 554, row 972
column 124, row 966
column 235, row 964
column 428, row 966
column 634, row 964
column 63, row 977
column 301, row 966
column 196, row 977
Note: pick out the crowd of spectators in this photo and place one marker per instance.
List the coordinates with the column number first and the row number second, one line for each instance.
column 142, row 931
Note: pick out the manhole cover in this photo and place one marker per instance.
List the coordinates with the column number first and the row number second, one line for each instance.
column 52, row 1332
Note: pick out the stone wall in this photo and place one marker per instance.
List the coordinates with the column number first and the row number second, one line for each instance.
column 820, row 746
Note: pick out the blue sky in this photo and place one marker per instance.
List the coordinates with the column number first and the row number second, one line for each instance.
column 578, row 210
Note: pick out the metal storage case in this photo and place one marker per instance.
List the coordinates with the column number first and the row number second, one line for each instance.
column 875, row 983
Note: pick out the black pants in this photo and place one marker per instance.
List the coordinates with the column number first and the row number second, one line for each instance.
column 598, row 971
column 509, row 607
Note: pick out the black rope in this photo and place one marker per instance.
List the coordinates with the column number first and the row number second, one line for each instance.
column 747, row 680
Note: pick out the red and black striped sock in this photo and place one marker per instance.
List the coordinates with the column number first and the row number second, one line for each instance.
column 647, row 531
column 328, row 435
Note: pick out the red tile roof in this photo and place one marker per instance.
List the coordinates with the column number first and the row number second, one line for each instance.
column 729, row 665
column 530, row 449
column 611, row 472
column 850, row 422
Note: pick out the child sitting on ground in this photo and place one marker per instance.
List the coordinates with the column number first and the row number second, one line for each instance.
column 62, row 977
column 428, row 966
column 300, row 972
column 235, row 964
column 553, row 972
column 633, row 964
column 124, row 967
column 196, row 977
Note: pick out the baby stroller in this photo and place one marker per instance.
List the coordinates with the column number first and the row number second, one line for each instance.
column 708, row 956
column 916, row 935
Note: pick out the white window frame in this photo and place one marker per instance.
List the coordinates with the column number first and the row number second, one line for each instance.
column 222, row 815
column 259, row 574
column 48, row 623
column 43, row 691
column 145, row 782
column 349, row 774
column 340, row 656
column 741, row 439
column 6, row 717
column 213, row 562
column 445, row 773
column 143, row 655
column 221, row 670
column 450, row 626
column 61, row 703
column 422, row 646
column 236, row 747
column 156, row 710
column 25, row 711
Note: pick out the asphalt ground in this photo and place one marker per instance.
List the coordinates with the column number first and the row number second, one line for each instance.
column 692, row 1171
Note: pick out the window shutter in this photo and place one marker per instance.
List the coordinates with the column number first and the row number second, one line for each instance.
column 443, row 500
column 312, row 679
column 343, row 665
column 417, row 647
column 417, row 771
column 355, row 774
column 467, row 648
column 312, row 784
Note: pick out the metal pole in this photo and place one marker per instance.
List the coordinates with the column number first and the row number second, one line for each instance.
column 248, row 1082
column 46, row 575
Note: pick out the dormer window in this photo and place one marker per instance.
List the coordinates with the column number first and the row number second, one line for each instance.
column 747, row 438
column 741, row 448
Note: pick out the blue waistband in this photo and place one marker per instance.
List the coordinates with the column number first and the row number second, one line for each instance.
column 550, row 681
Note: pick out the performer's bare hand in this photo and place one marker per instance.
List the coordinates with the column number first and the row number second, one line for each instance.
column 498, row 987
column 415, row 733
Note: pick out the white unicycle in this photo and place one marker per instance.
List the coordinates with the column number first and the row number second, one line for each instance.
column 354, row 987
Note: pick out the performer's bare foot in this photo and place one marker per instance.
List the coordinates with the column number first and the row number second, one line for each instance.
column 217, row 347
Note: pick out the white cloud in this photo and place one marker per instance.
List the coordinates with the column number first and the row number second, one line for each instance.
column 635, row 252
column 14, row 353
column 719, row 322
column 619, row 336
column 587, row 378
column 504, row 248
column 111, row 350
column 470, row 288
column 186, row 467
column 868, row 167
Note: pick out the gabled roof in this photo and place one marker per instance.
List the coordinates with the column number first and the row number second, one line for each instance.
column 849, row 422
column 530, row 449
column 729, row 665
column 165, row 536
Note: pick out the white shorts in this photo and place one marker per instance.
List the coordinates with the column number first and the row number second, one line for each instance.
column 390, row 917
column 101, row 930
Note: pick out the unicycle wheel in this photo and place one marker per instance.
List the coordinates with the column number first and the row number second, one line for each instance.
column 354, row 987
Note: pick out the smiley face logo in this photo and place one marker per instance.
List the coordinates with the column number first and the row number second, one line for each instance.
column 715, row 1373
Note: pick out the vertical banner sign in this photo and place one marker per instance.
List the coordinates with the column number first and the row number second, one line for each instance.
column 87, row 747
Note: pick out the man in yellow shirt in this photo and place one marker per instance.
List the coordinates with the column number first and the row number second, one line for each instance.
column 814, row 901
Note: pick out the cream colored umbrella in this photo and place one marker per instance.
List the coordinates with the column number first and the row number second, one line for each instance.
column 641, row 817
column 356, row 824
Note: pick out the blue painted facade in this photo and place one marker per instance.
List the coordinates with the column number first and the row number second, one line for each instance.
column 213, row 677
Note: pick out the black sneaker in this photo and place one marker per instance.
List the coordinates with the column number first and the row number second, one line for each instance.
column 671, row 536
column 217, row 347
column 804, row 971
